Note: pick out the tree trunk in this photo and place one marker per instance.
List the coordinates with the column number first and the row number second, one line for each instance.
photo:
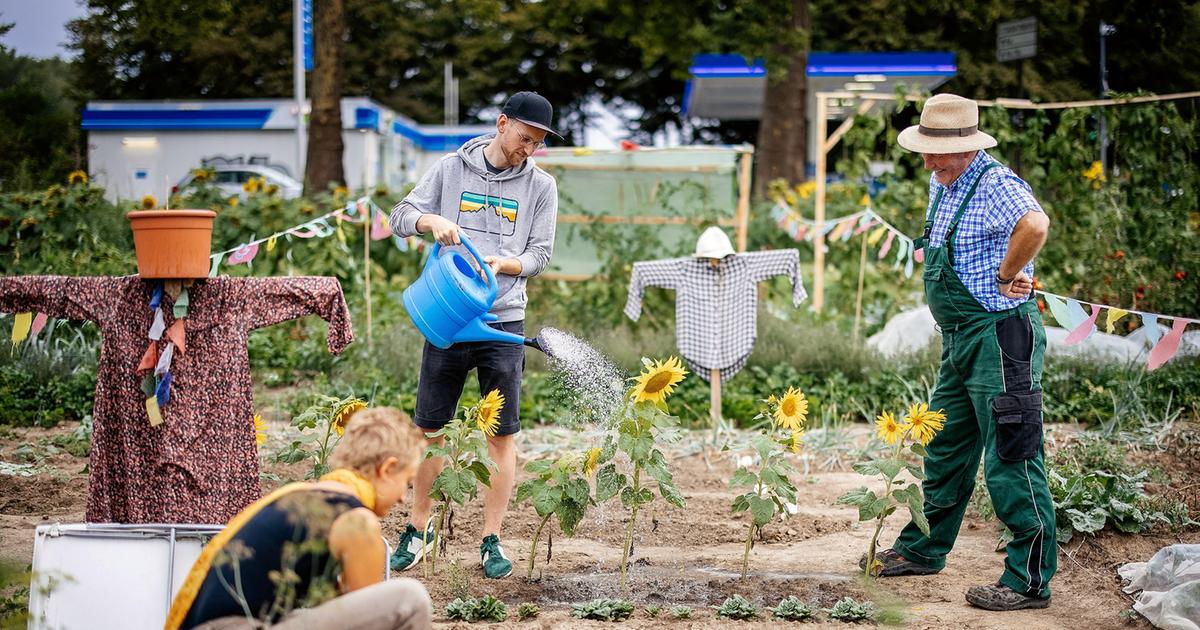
column 323, row 165
column 782, row 139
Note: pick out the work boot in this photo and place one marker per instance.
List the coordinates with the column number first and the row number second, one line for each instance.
column 495, row 564
column 412, row 547
column 894, row 565
column 1002, row 598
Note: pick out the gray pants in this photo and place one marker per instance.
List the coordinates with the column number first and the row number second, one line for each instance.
column 398, row 604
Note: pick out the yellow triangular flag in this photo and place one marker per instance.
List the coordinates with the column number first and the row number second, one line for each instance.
column 876, row 235
column 271, row 243
column 1113, row 315
column 866, row 200
column 153, row 412
column 21, row 324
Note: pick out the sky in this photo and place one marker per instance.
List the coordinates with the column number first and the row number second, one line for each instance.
column 40, row 31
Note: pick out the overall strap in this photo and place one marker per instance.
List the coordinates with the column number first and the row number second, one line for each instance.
column 923, row 240
column 962, row 208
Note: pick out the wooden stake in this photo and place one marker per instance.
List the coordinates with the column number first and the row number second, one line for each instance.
column 743, row 203
column 714, row 401
column 370, row 215
column 862, row 270
column 819, row 237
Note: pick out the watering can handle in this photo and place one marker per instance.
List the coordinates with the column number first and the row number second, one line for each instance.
column 487, row 269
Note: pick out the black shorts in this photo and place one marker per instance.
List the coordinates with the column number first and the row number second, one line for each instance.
column 444, row 372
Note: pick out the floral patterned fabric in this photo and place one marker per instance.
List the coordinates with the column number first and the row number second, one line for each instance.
column 200, row 465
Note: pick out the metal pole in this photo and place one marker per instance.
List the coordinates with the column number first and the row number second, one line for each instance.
column 298, row 82
column 1105, row 31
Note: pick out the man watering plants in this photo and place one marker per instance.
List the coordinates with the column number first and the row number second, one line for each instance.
column 982, row 231
column 492, row 192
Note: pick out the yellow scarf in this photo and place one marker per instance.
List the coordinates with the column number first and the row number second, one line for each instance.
column 191, row 586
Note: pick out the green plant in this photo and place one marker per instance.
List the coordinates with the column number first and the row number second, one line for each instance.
column 528, row 610
column 641, row 422
column 848, row 609
column 681, row 612
column 792, row 608
column 463, row 445
column 326, row 418
column 471, row 610
column 603, row 609
column 917, row 429
column 560, row 489
column 653, row 611
column 770, row 487
column 14, row 595
column 459, row 580
column 736, row 607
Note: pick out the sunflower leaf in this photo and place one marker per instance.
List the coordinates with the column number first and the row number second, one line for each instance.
column 608, row 482
column 481, row 472
column 671, row 493
column 742, row 477
column 918, row 448
column 762, row 510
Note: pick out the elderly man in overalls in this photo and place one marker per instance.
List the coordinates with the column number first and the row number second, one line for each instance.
column 982, row 231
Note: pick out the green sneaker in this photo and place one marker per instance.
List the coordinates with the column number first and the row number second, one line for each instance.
column 412, row 547
column 495, row 564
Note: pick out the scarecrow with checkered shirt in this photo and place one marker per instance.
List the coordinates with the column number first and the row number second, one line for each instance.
column 982, row 231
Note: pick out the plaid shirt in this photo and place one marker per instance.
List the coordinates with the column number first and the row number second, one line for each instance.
column 981, row 241
column 716, row 308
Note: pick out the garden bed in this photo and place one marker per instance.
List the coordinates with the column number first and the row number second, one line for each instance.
column 681, row 556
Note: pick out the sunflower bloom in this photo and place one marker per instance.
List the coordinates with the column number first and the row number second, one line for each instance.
column 887, row 428
column 252, row 185
column 922, row 423
column 341, row 417
column 77, row 177
column 260, row 430
column 591, row 460
column 487, row 418
column 794, row 440
column 657, row 380
column 792, row 410
column 149, row 202
column 233, row 201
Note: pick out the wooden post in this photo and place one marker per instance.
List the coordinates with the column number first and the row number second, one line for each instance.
column 819, row 236
column 743, row 203
column 862, row 270
column 367, row 219
column 714, row 400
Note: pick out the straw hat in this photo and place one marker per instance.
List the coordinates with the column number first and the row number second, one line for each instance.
column 713, row 243
column 949, row 124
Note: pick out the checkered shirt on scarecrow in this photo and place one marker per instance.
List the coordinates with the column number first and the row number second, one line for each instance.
column 981, row 240
column 716, row 308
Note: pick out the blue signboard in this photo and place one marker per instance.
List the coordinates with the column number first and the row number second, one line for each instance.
column 307, row 25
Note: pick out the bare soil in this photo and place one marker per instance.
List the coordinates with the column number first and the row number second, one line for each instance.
column 686, row 556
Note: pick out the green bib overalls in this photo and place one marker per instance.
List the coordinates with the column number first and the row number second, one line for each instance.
column 989, row 386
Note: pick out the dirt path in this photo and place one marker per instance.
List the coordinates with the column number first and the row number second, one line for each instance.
column 690, row 556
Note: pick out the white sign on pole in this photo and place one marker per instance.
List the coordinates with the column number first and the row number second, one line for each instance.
column 1016, row 39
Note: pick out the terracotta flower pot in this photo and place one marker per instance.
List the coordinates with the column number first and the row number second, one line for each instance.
column 172, row 243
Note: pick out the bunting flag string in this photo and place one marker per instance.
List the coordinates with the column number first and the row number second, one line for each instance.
column 843, row 227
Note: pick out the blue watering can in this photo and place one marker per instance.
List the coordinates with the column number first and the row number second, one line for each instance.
column 449, row 303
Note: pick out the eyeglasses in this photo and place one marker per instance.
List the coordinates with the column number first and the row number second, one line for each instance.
column 533, row 145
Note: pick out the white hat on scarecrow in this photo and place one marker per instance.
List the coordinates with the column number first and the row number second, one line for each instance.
column 949, row 124
column 713, row 243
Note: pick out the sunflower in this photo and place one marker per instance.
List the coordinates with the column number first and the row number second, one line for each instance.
column 922, row 423
column 792, row 410
column 487, row 417
column 888, row 429
column 233, row 201
column 794, row 440
column 77, row 177
column 260, row 430
column 591, row 460
column 657, row 380
column 149, row 202
column 341, row 416
column 252, row 185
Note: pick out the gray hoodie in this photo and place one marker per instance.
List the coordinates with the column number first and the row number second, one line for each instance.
column 511, row 214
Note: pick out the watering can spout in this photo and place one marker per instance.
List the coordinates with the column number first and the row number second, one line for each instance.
column 476, row 330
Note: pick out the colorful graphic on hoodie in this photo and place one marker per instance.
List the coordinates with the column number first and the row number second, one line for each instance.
column 470, row 216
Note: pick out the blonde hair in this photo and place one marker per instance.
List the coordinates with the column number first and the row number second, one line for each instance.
column 375, row 434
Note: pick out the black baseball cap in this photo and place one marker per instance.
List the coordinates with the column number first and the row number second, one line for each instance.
column 532, row 109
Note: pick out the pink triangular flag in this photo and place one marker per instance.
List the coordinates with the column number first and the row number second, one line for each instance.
column 887, row 245
column 1084, row 329
column 1167, row 346
column 39, row 322
column 177, row 336
column 379, row 227
column 243, row 254
column 919, row 255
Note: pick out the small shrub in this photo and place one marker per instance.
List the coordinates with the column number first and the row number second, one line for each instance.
column 653, row 611
column 459, row 580
column 847, row 609
column 681, row 612
column 528, row 610
column 737, row 607
column 603, row 609
column 793, row 608
column 471, row 610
